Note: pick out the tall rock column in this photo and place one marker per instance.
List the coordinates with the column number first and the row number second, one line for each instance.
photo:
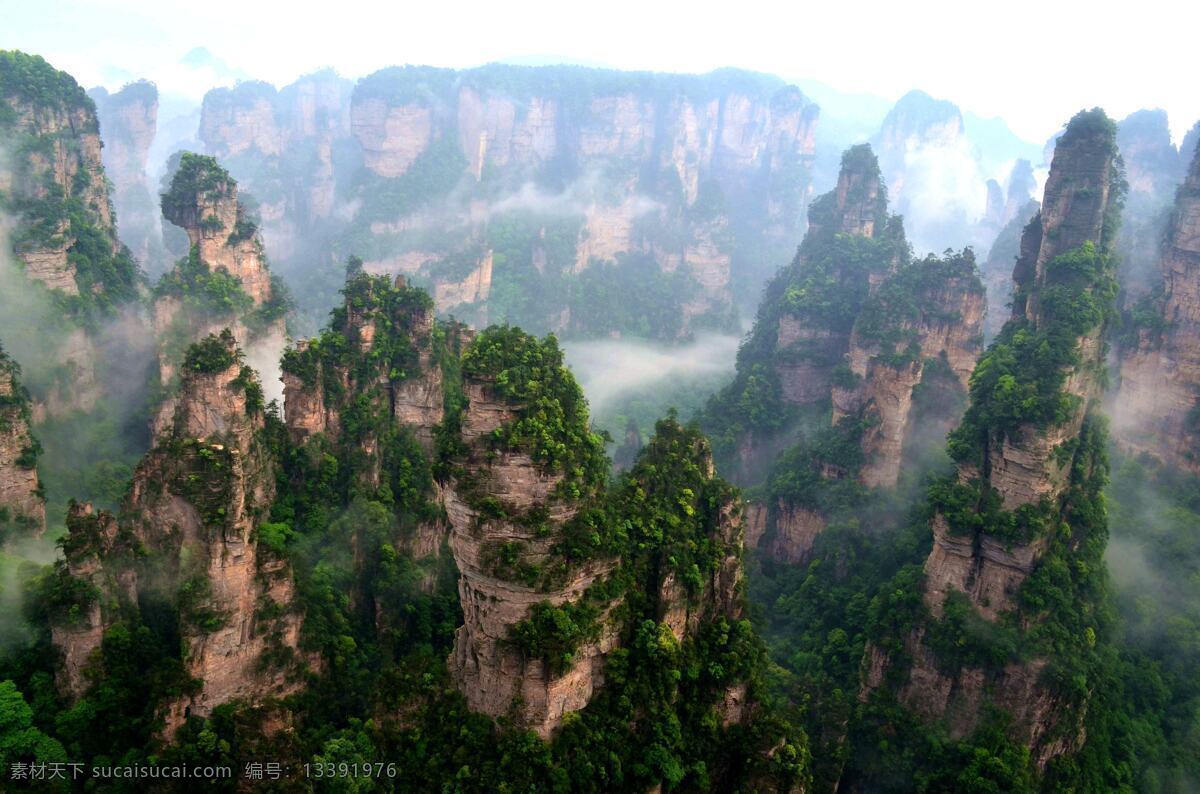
column 224, row 282
column 187, row 534
column 197, row 499
column 1024, row 511
column 506, row 511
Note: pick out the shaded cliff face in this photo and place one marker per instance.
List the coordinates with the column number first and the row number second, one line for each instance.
column 1025, row 501
column 128, row 123
column 188, row 536
column 998, row 269
column 929, row 314
column 22, row 507
column 1154, row 408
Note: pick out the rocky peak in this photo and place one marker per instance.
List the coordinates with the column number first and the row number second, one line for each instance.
column 390, row 326
column 220, row 396
column 1021, row 186
column 1076, row 206
column 917, row 114
column 859, row 201
column 1027, row 471
column 203, row 201
column 57, row 184
column 22, row 507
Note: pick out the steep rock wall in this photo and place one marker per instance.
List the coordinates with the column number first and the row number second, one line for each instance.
column 1154, row 409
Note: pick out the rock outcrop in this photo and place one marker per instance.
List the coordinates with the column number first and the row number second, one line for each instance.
column 853, row 332
column 1154, row 169
column 514, row 513
column 22, row 507
column 98, row 556
column 933, row 171
column 809, row 344
column 1155, row 407
column 1023, row 481
column 489, row 669
column 998, row 268
column 187, row 533
column 224, row 282
column 927, row 315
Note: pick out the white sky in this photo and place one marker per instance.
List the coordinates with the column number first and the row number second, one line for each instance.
column 1033, row 62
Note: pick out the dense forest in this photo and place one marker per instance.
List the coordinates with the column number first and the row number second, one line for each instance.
column 399, row 551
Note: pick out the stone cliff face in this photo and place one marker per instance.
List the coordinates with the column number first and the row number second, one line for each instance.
column 680, row 169
column 128, row 123
column 282, row 145
column 22, row 508
column 1155, row 409
column 976, row 563
column 187, row 533
column 491, row 672
column 53, row 184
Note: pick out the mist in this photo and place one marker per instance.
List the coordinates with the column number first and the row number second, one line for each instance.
column 90, row 421
column 638, row 380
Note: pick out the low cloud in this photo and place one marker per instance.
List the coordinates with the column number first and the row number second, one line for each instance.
column 610, row 370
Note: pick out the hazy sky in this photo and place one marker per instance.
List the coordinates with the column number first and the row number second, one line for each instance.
column 1032, row 62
